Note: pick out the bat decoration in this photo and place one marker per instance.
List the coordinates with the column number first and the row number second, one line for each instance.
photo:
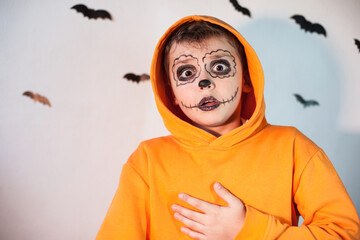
column 239, row 8
column 91, row 13
column 309, row 26
column 305, row 103
column 357, row 43
column 37, row 98
column 136, row 78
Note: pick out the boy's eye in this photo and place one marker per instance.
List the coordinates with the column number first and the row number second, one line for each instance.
column 220, row 64
column 220, row 67
column 185, row 69
column 186, row 73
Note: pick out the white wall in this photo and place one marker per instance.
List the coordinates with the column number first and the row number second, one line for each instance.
column 59, row 166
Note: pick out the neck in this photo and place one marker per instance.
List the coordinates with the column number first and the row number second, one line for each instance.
column 221, row 130
column 233, row 122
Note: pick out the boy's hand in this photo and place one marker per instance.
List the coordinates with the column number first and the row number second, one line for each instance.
column 215, row 222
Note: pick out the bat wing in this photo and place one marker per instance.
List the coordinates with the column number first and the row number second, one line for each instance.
column 44, row 100
column 144, row 77
column 132, row 77
column 246, row 11
column 357, row 43
column 301, row 20
column 29, row 94
column 311, row 103
column 308, row 26
column 299, row 98
column 102, row 14
column 317, row 28
column 241, row 9
column 81, row 8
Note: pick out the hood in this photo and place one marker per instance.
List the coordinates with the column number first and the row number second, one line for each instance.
column 253, row 105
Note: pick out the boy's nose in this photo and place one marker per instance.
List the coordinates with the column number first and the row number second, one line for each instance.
column 205, row 83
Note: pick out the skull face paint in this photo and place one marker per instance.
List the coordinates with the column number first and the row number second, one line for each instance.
column 214, row 62
column 220, row 64
column 214, row 103
column 186, row 69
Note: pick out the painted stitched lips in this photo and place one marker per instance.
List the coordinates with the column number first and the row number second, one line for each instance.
column 211, row 103
column 208, row 103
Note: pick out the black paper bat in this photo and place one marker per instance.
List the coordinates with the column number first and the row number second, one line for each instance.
column 37, row 98
column 136, row 78
column 305, row 103
column 241, row 9
column 309, row 26
column 91, row 13
column 357, row 43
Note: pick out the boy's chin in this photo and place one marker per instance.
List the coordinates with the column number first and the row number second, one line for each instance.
column 211, row 123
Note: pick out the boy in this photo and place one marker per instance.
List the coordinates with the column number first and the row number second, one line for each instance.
column 224, row 172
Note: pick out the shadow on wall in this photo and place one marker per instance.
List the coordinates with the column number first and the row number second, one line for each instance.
column 295, row 61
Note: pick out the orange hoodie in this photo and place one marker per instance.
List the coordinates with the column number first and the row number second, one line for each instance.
column 276, row 171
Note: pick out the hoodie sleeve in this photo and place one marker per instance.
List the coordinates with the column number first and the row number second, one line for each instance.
column 127, row 217
column 321, row 200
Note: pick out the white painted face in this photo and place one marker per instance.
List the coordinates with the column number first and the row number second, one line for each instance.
column 206, row 80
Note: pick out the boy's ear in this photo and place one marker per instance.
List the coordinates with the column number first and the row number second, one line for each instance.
column 176, row 101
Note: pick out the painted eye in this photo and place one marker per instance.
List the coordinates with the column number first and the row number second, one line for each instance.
column 220, row 67
column 186, row 73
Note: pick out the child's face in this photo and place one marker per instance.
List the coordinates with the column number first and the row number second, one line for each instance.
column 207, row 81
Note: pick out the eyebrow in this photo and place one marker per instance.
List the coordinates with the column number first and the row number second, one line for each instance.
column 218, row 55
column 184, row 61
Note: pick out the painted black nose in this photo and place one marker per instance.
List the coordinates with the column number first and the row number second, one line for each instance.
column 204, row 83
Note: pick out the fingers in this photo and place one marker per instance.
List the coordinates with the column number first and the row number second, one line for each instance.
column 198, row 203
column 190, row 223
column 193, row 234
column 191, row 219
column 226, row 194
column 190, row 214
column 210, row 221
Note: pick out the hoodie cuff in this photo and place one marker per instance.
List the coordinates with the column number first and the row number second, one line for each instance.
column 255, row 224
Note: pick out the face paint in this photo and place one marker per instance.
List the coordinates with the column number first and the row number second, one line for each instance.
column 185, row 69
column 220, row 64
column 216, row 105
column 211, row 103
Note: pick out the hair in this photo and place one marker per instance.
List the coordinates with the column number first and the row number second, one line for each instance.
column 197, row 32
